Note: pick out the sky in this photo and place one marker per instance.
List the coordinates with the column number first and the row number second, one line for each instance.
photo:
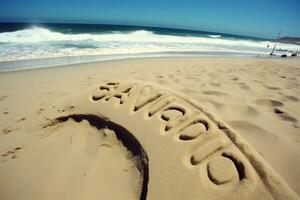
column 259, row 18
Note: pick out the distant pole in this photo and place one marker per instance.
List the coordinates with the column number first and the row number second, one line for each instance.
column 275, row 43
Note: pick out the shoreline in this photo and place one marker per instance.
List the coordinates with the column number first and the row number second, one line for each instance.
column 39, row 63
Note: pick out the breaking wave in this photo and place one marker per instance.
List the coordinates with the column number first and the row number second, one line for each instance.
column 40, row 42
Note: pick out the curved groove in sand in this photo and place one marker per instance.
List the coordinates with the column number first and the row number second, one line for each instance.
column 127, row 139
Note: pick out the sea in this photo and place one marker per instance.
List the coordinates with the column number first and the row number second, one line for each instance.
column 27, row 46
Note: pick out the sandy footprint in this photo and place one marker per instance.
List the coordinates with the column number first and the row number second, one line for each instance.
column 6, row 131
column 189, row 150
column 11, row 154
column 292, row 98
column 286, row 117
column 215, row 84
column 243, row 86
column 189, row 91
column 215, row 93
column 272, row 88
column 269, row 103
column 3, row 97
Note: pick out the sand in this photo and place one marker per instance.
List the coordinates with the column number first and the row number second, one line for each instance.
column 188, row 128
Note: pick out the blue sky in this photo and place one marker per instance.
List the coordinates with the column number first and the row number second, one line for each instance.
column 262, row 18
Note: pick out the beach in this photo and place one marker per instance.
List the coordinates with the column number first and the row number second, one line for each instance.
column 45, row 158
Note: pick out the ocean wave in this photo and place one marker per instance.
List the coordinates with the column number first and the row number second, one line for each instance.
column 214, row 36
column 38, row 34
column 39, row 42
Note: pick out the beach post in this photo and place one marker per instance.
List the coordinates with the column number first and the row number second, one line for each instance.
column 271, row 54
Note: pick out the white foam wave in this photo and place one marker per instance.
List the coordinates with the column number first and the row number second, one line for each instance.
column 37, row 34
column 214, row 36
column 37, row 42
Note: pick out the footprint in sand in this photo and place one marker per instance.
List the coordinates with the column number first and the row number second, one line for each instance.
column 11, row 154
column 22, row 119
column 286, row 117
column 275, row 104
column 243, row 86
column 272, row 88
column 6, row 131
column 269, row 103
column 40, row 111
column 215, row 93
column 215, row 84
column 180, row 145
column 292, row 98
column 3, row 97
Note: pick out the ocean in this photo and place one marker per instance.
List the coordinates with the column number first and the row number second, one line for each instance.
column 26, row 46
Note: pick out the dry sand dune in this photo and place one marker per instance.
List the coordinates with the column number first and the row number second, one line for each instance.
column 183, row 150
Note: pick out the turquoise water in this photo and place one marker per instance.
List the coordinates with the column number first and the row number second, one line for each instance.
column 25, row 46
